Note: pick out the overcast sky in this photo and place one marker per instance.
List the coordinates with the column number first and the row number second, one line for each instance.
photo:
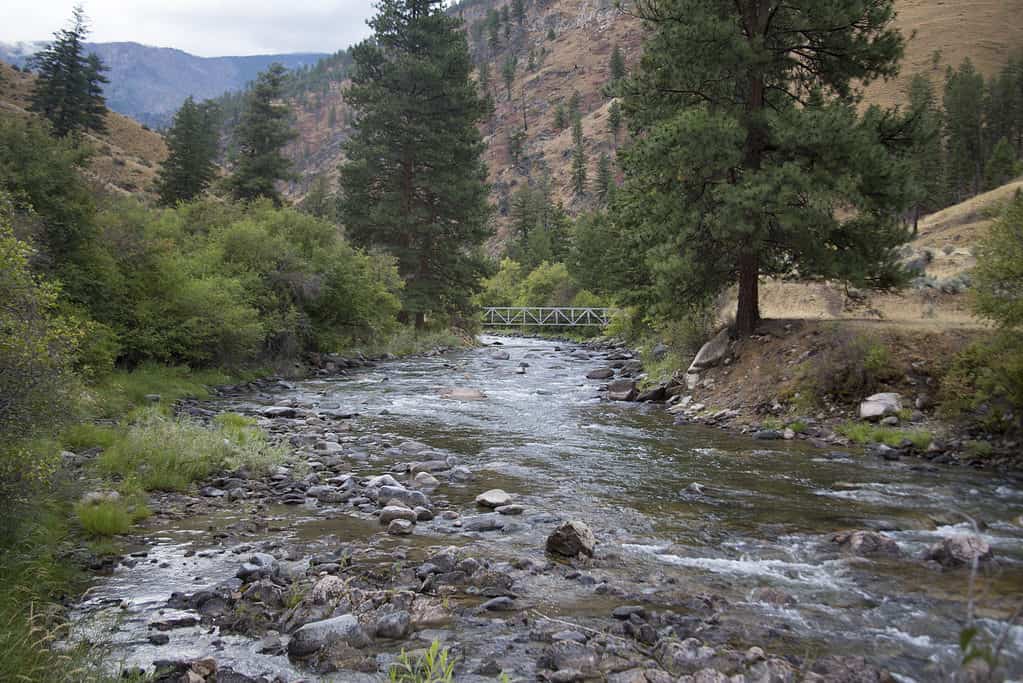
column 203, row 27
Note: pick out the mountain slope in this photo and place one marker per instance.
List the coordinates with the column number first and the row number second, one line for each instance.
column 150, row 83
column 127, row 156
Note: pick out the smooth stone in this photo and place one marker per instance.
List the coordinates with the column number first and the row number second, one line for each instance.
column 512, row 509
column 399, row 527
column 494, row 498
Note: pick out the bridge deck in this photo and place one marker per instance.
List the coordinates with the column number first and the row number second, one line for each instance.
column 506, row 316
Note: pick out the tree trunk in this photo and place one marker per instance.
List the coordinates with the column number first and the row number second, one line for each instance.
column 420, row 320
column 748, row 313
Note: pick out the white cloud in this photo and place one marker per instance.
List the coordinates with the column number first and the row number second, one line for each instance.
column 210, row 28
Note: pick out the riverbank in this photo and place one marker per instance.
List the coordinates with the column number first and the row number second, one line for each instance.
column 368, row 540
column 807, row 380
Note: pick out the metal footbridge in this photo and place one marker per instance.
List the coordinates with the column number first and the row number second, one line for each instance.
column 511, row 316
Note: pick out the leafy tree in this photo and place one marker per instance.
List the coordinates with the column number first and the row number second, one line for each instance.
column 926, row 155
column 614, row 120
column 519, row 10
column 415, row 180
column 964, row 130
column 605, row 178
column 192, row 143
column 69, row 89
column 616, row 67
column 262, row 134
column 750, row 155
column 1001, row 165
column 508, row 73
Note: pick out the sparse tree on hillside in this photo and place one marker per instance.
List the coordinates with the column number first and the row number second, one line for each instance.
column 1001, row 165
column 192, row 147
column 616, row 66
column 262, row 134
column 494, row 28
column 560, row 117
column 614, row 120
column 508, row 73
column 605, row 178
column 579, row 170
column 750, row 154
column 319, row 201
column 575, row 104
column 964, row 130
column 69, row 89
column 506, row 20
column 551, row 35
column 926, row 156
column 577, row 131
column 414, row 182
column 519, row 10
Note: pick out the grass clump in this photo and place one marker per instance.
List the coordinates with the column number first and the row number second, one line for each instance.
column 86, row 435
column 104, row 518
column 119, row 393
column 168, row 454
column 436, row 665
column 864, row 433
column 408, row 341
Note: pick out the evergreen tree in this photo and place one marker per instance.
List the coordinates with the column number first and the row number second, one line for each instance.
column 577, row 131
column 506, row 20
column 1001, row 165
column 494, row 28
column 539, row 226
column 926, row 157
column 192, row 147
column 605, row 178
column 750, row 154
column 614, row 120
column 575, row 104
column 1003, row 106
column 616, row 67
column 560, row 118
column 262, row 134
column 519, row 9
column 508, row 73
column 964, row 130
column 69, row 89
column 319, row 201
column 415, row 182
column 531, row 64
column 551, row 35
column 579, row 170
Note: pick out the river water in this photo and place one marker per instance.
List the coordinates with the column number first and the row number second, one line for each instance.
column 756, row 538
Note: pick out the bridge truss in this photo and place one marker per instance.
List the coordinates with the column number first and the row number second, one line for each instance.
column 509, row 316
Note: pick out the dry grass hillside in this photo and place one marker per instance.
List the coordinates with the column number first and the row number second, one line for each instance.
column 127, row 156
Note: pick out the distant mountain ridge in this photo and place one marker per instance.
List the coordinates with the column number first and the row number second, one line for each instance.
column 150, row 83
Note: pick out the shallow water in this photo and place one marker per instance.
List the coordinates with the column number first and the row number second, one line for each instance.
column 763, row 520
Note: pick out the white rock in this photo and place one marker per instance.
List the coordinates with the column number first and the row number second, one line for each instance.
column 494, row 498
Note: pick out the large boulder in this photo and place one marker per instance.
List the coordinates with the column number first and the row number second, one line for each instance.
column 875, row 407
column 622, row 390
column 319, row 634
column 711, row 353
column 571, row 539
column 866, row 543
column 600, row 373
column 410, row 498
column 494, row 498
column 259, row 565
column 393, row 512
column 960, row 550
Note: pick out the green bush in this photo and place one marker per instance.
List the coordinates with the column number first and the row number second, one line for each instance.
column 864, row 433
column 86, row 435
column 436, row 665
column 848, row 368
column 105, row 518
column 166, row 454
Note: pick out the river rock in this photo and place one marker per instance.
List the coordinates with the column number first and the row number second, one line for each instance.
column 622, row 390
column 463, row 394
column 866, row 543
column 875, row 407
column 409, row 497
column 566, row 655
column 512, row 509
column 499, row 604
column 326, row 590
column 423, row 514
column 394, row 625
column 399, row 527
column 279, row 411
column 461, row 473
column 711, row 353
column 258, row 565
column 319, row 634
column 500, row 355
column 600, row 373
column 682, row 657
column 393, row 512
column 494, row 498
column 571, row 539
column 960, row 550
column 488, row 522
column 425, row 480
column 382, row 480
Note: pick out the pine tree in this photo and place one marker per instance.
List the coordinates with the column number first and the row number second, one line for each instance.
column 579, row 170
column 506, row 20
column 605, row 178
column 577, row 131
column 519, row 10
column 1001, row 165
column 749, row 142
column 69, row 89
column 614, row 120
column 926, row 156
column 551, row 35
column 575, row 104
column 414, row 181
column 616, row 66
column 319, row 201
column 539, row 226
column 262, row 134
column 964, row 130
column 560, row 118
column 192, row 147
column 494, row 28
column 508, row 73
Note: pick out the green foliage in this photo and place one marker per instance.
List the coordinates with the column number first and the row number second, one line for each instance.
column 551, row 35
column 319, row 201
column 168, row 454
column 927, row 161
column 560, row 117
column 192, row 147
column 998, row 277
column 118, row 393
column 539, row 226
column 85, row 435
column 104, row 518
column 745, row 152
column 601, row 257
column 502, row 288
column 436, row 665
column 415, row 181
column 549, row 284
column 1001, row 165
column 68, row 90
column 984, row 385
column 263, row 132
column 579, row 170
column 37, row 346
column 511, row 62
column 605, row 178
column 865, row 433
column 616, row 67
column 614, row 120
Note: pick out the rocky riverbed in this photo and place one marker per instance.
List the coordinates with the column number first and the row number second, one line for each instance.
column 493, row 501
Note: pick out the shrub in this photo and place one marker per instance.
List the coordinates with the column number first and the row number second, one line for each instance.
column 984, row 385
column 436, row 665
column 104, row 518
column 849, row 368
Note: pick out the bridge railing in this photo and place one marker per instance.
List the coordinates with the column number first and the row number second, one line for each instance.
column 562, row 316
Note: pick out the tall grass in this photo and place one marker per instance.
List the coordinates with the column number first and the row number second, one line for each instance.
column 117, row 394
column 864, row 433
column 168, row 454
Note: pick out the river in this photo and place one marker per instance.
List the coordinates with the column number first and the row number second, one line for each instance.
column 752, row 540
